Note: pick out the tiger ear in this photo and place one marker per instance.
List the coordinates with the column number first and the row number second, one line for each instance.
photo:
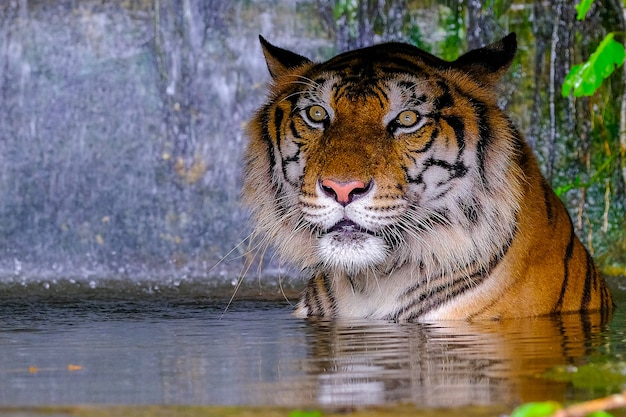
column 280, row 61
column 488, row 64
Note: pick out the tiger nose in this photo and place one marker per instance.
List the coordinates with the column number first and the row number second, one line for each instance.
column 345, row 192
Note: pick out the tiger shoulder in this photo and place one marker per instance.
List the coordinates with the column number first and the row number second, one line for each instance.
column 396, row 181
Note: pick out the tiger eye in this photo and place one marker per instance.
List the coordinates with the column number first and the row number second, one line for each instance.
column 316, row 113
column 407, row 118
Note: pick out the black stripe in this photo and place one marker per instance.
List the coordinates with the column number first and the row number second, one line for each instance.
column 586, row 324
column 278, row 120
column 557, row 319
column 323, row 293
column 607, row 303
column 390, row 63
column 314, row 298
column 547, row 199
column 292, row 97
column 267, row 138
column 401, row 70
column 398, row 314
column 440, row 295
column 401, row 63
column 445, row 100
column 485, row 138
column 294, row 131
column 287, row 160
column 295, row 183
column 407, row 85
column 459, row 131
column 589, row 277
column 329, row 293
column 419, row 179
column 321, row 80
column 568, row 256
column 433, row 136
column 279, row 115
column 381, row 93
column 456, row 170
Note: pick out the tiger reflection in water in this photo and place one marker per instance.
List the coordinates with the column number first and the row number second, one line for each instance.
column 450, row 364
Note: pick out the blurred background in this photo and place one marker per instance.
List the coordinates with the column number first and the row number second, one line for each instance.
column 121, row 124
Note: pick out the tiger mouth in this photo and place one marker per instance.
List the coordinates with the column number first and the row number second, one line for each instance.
column 348, row 227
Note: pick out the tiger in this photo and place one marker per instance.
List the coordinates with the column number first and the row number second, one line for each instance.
column 396, row 183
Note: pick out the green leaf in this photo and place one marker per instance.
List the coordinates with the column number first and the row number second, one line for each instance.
column 565, row 188
column 585, row 79
column 582, row 8
column 538, row 409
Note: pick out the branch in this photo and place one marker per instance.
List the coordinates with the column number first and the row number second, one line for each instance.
column 588, row 407
column 591, row 408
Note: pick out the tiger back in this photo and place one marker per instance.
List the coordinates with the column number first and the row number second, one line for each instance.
column 397, row 182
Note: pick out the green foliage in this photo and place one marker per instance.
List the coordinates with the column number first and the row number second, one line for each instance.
column 598, row 177
column 582, row 8
column 451, row 20
column 349, row 9
column 499, row 7
column 536, row 409
column 415, row 37
column 587, row 77
column 345, row 7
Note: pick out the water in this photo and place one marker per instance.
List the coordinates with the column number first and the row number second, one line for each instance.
column 180, row 348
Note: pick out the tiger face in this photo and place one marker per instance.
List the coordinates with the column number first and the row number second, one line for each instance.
column 373, row 164
column 390, row 173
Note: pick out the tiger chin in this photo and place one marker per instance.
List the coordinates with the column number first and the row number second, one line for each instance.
column 394, row 179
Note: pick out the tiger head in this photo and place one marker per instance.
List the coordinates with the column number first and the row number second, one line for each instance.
column 384, row 156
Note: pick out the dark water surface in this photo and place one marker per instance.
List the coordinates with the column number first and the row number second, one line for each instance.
column 112, row 349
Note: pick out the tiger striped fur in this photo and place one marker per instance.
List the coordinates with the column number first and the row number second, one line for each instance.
column 396, row 180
